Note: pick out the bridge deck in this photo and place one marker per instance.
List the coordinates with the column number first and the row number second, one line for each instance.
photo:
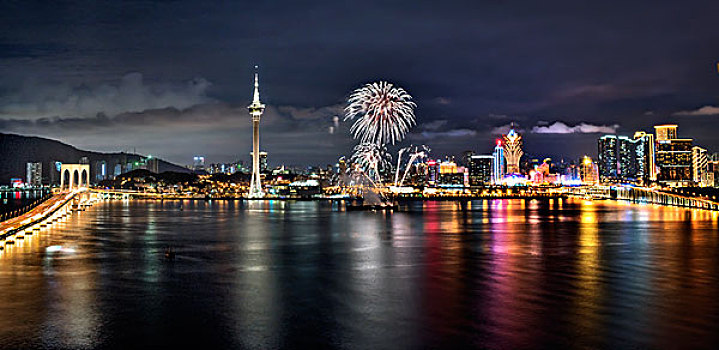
column 8, row 227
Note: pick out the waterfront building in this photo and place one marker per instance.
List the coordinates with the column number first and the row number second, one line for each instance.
column 607, row 164
column 713, row 170
column 450, row 174
column 589, row 173
column 628, row 159
column 456, row 179
column 498, row 164
column 512, row 151
column 480, row 170
column 700, row 167
column 34, row 174
column 648, row 168
column 432, row 172
column 448, row 167
column 674, row 160
column 666, row 132
column 256, row 109
column 673, row 157
column 622, row 159
column 572, row 175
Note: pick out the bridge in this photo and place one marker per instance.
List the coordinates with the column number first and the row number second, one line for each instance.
column 643, row 195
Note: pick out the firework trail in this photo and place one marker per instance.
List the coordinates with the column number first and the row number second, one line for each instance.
column 382, row 113
column 415, row 152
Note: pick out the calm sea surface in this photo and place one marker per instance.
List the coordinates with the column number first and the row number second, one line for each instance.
column 492, row 274
column 12, row 200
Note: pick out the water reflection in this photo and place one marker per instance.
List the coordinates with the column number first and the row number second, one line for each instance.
column 271, row 274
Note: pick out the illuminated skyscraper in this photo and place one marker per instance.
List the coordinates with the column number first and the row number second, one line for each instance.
column 34, row 174
column 674, row 159
column 256, row 109
column 648, row 148
column 512, row 151
column 608, row 163
column 700, row 166
column 498, row 163
column 631, row 159
column 432, row 172
column 480, row 170
column 589, row 172
column 666, row 132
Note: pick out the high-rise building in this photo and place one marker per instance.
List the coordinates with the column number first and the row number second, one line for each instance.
column 674, row 160
column 648, row 149
column 629, row 158
column 700, row 166
column 54, row 172
column 608, row 161
column 100, row 170
column 256, row 109
column 589, row 173
column 480, row 170
column 467, row 157
column 198, row 163
column 498, row 164
column 666, row 132
column 34, row 174
column 432, row 172
column 713, row 170
column 263, row 161
column 512, row 151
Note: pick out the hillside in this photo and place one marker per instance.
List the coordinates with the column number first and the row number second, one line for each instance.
column 16, row 151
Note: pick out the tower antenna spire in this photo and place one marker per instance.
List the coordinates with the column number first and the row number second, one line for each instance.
column 256, row 95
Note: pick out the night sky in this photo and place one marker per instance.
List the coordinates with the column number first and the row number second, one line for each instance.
column 173, row 78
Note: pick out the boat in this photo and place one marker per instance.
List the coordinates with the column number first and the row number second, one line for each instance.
column 169, row 254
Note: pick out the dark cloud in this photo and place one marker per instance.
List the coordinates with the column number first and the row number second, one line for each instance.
column 603, row 63
column 129, row 94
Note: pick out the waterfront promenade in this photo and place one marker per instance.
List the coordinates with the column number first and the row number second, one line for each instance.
column 638, row 195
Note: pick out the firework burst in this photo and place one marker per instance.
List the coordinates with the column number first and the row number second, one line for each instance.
column 382, row 113
column 372, row 159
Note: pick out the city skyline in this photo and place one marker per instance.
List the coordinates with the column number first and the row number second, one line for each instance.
column 416, row 174
column 95, row 94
